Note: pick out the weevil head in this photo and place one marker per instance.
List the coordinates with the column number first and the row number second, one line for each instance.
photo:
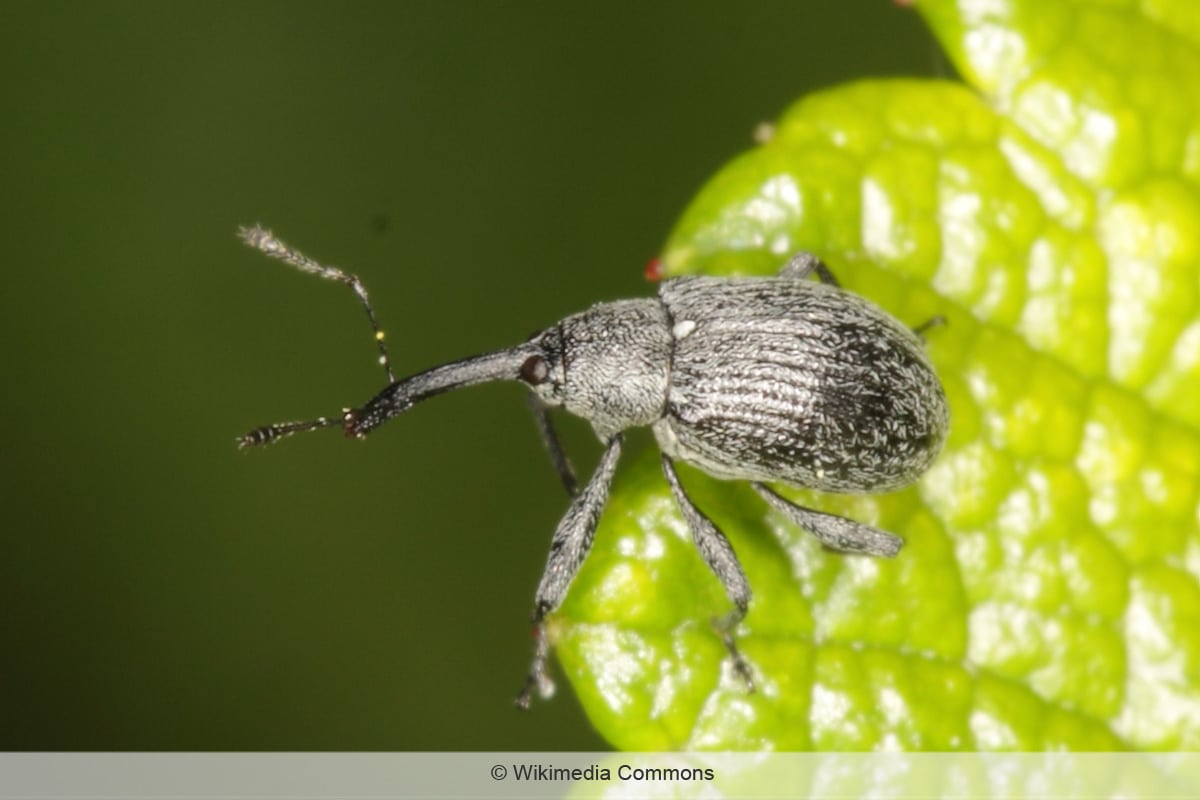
column 609, row 364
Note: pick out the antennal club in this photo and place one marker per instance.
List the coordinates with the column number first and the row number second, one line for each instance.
column 263, row 240
column 269, row 434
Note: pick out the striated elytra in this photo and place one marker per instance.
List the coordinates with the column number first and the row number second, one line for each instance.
column 768, row 380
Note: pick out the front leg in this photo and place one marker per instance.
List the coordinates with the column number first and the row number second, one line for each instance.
column 549, row 436
column 568, row 549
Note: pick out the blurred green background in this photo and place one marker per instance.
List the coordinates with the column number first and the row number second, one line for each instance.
column 486, row 168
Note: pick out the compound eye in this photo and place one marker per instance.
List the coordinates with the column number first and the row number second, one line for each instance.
column 535, row 371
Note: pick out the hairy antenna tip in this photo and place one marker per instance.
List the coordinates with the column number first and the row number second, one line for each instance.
column 255, row 438
column 259, row 238
column 250, row 234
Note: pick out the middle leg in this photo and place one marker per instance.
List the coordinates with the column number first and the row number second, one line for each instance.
column 718, row 554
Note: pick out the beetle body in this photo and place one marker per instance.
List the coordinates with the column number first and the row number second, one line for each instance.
column 779, row 379
column 759, row 379
column 789, row 380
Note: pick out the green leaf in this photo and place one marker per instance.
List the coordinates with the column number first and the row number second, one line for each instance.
column 1049, row 592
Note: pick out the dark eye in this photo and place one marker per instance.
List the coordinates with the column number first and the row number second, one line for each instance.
column 535, row 370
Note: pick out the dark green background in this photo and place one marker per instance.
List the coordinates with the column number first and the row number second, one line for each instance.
column 486, row 168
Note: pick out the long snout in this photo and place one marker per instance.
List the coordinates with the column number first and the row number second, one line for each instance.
column 398, row 397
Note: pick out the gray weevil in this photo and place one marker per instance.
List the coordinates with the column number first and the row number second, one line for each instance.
column 779, row 379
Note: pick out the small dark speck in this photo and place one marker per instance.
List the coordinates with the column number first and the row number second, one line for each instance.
column 381, row 222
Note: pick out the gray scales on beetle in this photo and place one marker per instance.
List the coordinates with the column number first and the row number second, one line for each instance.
column 769, row 379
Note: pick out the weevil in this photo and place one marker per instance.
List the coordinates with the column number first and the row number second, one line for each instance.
column 779, row 379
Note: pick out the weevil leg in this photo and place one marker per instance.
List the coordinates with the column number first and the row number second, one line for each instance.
column 545, row 426
column 804, row 264
column 263, row 240
column 933, row 322
column 572, row 540
column 837, row 533
column 718, row 554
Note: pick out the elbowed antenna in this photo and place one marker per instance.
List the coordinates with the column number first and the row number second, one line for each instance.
column 263, row 240
column 402, row 395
